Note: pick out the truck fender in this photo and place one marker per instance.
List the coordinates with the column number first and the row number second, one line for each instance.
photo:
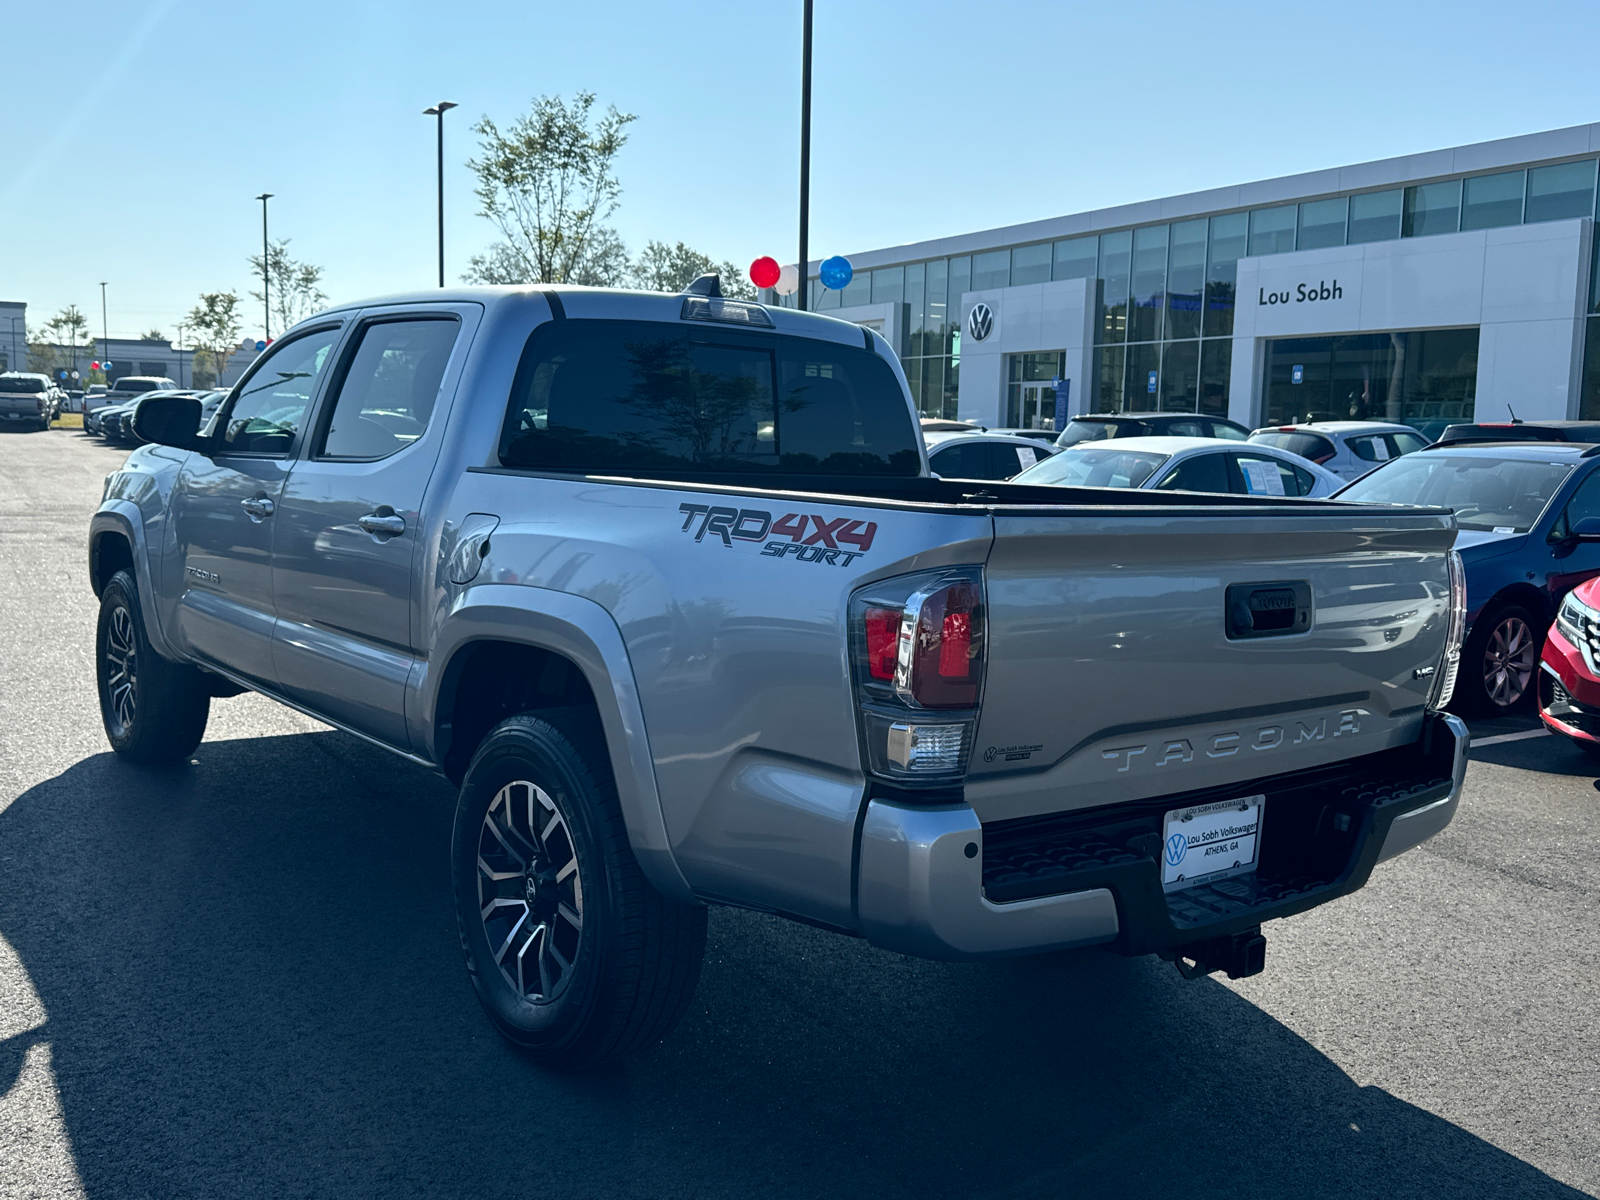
column 122, row 518
column 584, row 633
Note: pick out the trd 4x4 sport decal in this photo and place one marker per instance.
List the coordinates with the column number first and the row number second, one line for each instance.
column 810, row 538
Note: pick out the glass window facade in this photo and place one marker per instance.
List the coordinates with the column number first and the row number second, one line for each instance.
column 1401, row 377
column 1375, row 217
column 1432, row 208
column 991, row 269
column 1489, row 201
column 1322, row 223
column 1076, row 258
column 1272, row 230
column 1563, row 190
column 1164, row 294
column 1030, row 264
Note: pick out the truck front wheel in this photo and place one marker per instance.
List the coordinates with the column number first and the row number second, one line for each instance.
column 154, row 710
column 574, row 956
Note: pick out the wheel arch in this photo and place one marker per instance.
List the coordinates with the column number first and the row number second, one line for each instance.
column 504, row 644
column 1520, row 593
column 117, row 543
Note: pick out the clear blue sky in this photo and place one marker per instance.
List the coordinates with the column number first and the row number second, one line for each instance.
column 930, row 118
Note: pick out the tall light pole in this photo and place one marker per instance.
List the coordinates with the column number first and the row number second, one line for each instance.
column 105, row 334
column 180, row 355
column 439, row 110
column 805, row 160
column 266, row 277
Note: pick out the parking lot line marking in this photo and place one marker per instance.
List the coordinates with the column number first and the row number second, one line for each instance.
column 1498, row 738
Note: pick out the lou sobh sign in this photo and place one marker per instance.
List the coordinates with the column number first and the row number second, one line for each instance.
column 1304, row 293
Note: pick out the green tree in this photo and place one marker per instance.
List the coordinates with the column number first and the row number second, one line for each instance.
column 295, row 294
column 548, row 184
column 60, row 342
column 215, row 325
column 664, row 268
column 152, row 335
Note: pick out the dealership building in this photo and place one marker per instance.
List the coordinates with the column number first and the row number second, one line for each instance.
column 1456, row 284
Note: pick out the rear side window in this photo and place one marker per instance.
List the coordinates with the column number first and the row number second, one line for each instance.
column 389, row 389
column 21, row 385
column 1233, row 433
column 1202, row 473
column 1262, row 476
column 1405, row 443
column 1307, row 445
column 1372, row 447
column 656, row 397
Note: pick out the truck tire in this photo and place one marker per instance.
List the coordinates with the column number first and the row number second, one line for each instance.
column 1500, row 662
column 154, row 710
column 575, row 957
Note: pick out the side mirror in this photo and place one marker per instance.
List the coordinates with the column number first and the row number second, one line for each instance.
column 1586, row 529
column 169, row 421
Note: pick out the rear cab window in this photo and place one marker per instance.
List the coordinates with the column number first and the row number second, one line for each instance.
column 656, row 397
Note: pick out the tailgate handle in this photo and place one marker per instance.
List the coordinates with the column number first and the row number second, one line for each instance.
column 1256, row 610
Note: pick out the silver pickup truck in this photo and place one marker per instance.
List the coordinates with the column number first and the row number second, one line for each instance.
column 665, row 585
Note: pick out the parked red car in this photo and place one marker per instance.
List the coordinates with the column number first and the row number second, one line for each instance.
column 1569, row 683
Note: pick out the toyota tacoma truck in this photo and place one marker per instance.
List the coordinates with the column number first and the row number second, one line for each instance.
column 664, row 584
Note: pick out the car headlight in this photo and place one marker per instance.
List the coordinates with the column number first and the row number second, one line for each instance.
column 1580, row 625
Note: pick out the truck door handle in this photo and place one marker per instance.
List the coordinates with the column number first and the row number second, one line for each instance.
column 383, row 523
column 259, row 507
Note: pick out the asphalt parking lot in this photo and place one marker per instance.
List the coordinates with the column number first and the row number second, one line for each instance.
column 242, row 978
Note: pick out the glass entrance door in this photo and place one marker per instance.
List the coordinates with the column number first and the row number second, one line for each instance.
column 1038, row 406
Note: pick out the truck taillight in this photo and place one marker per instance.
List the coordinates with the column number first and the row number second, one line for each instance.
column 883, row 641
column 919, row 663
column 939, row 664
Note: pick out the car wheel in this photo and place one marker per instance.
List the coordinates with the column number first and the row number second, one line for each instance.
column 154, row 710
column 575, row 957
column 1502, row 656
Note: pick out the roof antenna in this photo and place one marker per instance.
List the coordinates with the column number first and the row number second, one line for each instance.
column 707, row 285
column 1515, row 420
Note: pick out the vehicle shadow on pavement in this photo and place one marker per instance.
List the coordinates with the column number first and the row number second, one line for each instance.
column 1552, row 755
column 253, row 988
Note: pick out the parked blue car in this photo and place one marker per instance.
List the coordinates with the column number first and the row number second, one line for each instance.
column 1530, row 532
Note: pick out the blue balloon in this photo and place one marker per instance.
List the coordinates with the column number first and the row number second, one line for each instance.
column 836, row 273
column 260, row 345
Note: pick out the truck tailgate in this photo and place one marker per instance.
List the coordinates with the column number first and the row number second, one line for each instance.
column 1113, row 673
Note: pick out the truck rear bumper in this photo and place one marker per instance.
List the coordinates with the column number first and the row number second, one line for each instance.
column 937, row 883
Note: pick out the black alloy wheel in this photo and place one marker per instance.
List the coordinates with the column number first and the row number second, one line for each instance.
column 575, row 957
column 153, row 710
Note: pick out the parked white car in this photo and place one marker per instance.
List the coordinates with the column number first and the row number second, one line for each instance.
column 1347, row 448
column 1187, row 464
column 982, row 455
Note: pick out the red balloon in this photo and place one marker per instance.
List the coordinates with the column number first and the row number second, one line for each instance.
column 764, row 271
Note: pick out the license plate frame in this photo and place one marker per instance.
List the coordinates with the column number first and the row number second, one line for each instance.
column 1228, row 832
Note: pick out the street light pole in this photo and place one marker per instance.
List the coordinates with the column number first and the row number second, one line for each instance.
column 439, row 110
column 180, row 355
column 805, row 160
column 266, row 276
column 105, row 334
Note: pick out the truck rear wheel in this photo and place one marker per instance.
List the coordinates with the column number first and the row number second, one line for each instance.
column 575, row 957
column 154, row 710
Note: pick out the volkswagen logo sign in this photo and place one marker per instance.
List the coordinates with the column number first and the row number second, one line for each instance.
column 980, row 321
column 1177, row 849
